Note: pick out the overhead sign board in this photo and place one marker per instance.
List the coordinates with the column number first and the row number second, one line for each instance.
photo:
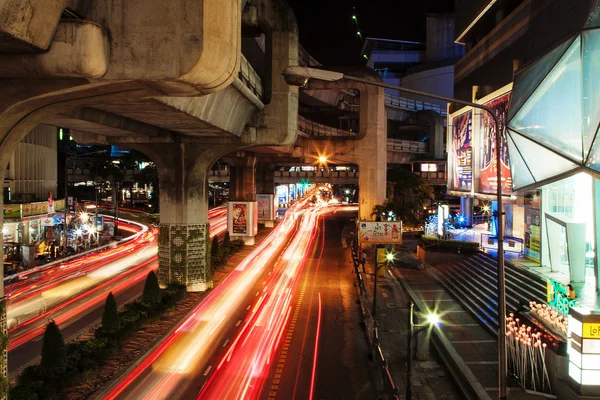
column 386, row 232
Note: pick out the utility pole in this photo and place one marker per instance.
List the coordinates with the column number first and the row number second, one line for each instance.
column 65, row 139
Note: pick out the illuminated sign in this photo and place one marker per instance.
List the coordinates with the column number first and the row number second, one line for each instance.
column 591, row 331
column 557, row 297
column 584, row 348
column 380, row 232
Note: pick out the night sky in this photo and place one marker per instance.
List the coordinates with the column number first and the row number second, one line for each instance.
column 329, row 34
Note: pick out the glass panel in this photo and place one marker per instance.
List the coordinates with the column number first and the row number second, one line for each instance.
column 521, row 176
column 559, row 253
column 528, row 79
column 552, row 114
column 542, row 162
column 591, row 86
column 594, row 19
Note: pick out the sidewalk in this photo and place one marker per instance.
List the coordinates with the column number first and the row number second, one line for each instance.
column 430, row 379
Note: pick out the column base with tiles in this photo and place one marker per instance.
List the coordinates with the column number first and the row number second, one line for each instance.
column 184, row 256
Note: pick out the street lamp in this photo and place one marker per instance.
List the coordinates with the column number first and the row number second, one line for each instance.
column 299, row 76
column 432, row 319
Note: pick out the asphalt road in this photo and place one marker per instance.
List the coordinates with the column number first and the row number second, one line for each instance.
column 325, row 308
column 29, row 352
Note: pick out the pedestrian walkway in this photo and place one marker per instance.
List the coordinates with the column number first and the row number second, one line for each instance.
column 430, row 379
column 473, row 350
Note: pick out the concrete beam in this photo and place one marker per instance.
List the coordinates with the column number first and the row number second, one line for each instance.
column 178, row 46
column 100, row 122
column 28, row 26
column 79, row 50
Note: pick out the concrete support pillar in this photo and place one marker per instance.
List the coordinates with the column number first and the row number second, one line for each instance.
column 466, row 210
column 184, row 242
column 265, row 179
column 371, row 153
column 242, row 189
column 242, row 179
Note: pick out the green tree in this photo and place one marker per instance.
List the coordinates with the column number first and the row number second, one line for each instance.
column 407, row 193
column 110, row 317
column 215, row 252
column 54, row 353
column 149, row 175
column 226, row 244
column 151, row 289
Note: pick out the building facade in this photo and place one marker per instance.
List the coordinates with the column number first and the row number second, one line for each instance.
column 535, row 65
column 32, row 170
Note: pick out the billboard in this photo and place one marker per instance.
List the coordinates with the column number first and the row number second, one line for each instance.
column 242, row 218
column 463, row 151
column 266, row 207
column 380, row 232
column 488, row 180
column 532, row 245
column 12, row 211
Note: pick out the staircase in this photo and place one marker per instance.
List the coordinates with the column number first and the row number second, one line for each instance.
column 473, row 281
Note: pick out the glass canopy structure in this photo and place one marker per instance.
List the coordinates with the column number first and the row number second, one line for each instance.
column 553, row 121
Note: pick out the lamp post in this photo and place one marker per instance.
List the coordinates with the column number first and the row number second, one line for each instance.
column 432, row 319
column 299, row 76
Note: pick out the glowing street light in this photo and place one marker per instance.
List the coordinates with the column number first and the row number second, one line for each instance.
column 389, row 257
column 322, row 159
column 78, row 231
column 84, row 217
column 432, row 320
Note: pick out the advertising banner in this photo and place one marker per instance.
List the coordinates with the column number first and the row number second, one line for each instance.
column 282, row 194
column 9, row 232
column 108, row 226
column 34, row 209
column 380, row 232
column 266, row 207
column 99, row 223
column 12, row 211
column 532, row 245
column 488, row 180
column 242, row 218
column 50, row 204
column 239, row 220
column 463, row 152
column 48, row 221
column 59, row 205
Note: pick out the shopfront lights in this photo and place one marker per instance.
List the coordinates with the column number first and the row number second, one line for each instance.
column 84, row 217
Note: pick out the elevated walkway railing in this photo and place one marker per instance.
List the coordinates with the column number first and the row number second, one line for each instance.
column 312, row 128
column 412, row 105
column 409, row 146
column 250, row 78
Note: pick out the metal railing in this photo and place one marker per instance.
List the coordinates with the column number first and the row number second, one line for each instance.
column 406, row 145
column 250, row 78
column 412, row 105
column 388, row 380
column 312, row 128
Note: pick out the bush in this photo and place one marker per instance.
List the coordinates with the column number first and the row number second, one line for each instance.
column 226, row 245
column 54, row 355
column 61, row 364
column 432, row 242
column 151, row 289
column 215, row 253
column 110, row 317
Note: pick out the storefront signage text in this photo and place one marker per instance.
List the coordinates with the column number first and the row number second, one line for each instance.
column 557, row 297
column 591, row 331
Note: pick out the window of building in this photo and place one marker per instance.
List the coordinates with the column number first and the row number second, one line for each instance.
column 429, row 167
